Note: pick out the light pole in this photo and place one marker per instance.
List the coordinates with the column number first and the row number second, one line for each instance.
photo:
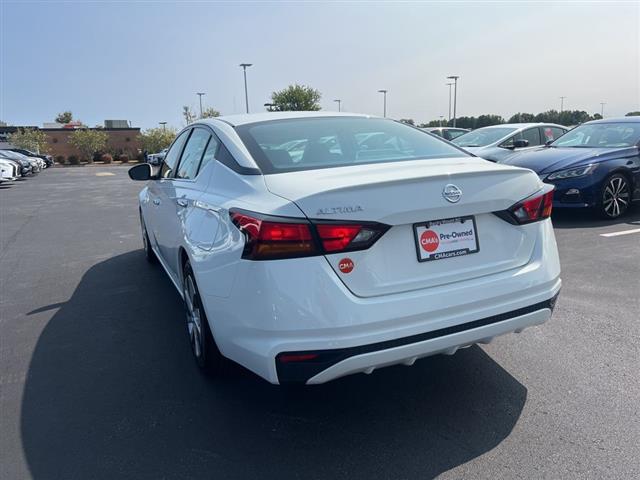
column 384, row 93
column 449, row 84
column 200, row 94
column 246, row 94
column 441, row 117
column 455, row 94
column 164, row 126
column 602, row 104
column 339, row 102
column 562, row 103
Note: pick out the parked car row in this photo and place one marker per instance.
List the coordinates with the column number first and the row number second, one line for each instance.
column 156, row 158
column 18, row 162
column 595, row 165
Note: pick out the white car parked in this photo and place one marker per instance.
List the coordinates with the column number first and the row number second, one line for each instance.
column 9, row 171
column 378, row 245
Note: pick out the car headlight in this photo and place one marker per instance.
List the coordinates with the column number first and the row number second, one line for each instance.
column 573, row 172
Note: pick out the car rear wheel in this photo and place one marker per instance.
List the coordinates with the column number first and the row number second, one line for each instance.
column 148, row 251
column 203, row 346
column 615, row 196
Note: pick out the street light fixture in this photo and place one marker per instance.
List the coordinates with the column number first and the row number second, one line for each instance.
column 441, row 117
column 200, row 94
column 449, row 85
column 384, row 93
column 246, row 94
column 562, row 104
column 164, row 126
column 455, row 94
column 339, row 102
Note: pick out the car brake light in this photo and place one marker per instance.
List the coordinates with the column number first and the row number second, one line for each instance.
column 532, row 209
column 267, row 239
column 270, row 237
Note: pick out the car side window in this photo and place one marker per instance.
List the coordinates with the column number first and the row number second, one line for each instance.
column 532, row 135
column 557, row 132
column 172, row 156
column 210, row 153
column 192, row 154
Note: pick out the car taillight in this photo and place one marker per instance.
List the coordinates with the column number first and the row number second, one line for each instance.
column 269, row 237
column 532, row 209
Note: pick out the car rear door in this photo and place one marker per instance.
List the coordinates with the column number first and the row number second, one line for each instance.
column 179, row 194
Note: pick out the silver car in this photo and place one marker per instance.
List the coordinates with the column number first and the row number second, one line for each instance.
column 499, row 142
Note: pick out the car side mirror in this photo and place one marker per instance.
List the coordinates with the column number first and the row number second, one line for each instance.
column 142, row 172
column 520, row 143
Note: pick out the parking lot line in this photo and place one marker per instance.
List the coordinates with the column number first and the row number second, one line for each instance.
column 623, row 232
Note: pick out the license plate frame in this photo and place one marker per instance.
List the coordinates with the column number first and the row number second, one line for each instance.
column 424, row 256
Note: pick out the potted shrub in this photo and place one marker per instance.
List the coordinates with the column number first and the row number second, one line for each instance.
column 106, row 158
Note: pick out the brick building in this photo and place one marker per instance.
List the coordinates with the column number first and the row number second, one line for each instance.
column 120, row 140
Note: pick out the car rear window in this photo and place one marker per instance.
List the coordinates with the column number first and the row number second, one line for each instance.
column 313, row 143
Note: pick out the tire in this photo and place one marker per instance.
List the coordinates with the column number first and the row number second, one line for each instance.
column 146, row 245
column 615, row 196
column 203, row 346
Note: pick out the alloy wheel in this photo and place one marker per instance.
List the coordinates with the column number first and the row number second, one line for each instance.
column 194, row 318
column 615, row 198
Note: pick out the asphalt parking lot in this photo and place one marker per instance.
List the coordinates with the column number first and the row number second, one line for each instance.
column 97, row 380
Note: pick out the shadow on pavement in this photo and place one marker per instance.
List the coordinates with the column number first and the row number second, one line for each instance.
column 112, row 392
column 585, row 218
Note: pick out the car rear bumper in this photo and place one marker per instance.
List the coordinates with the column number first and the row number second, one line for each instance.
column 301, row 305
column 328, row 365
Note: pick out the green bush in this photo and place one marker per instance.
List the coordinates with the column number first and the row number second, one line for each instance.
column 73, row 160
column 106, row 158
column 60, row 159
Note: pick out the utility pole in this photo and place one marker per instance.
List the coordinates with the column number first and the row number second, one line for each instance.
column 602, row 104
column 164, row 126
column 562, row 104
column 339, row 102
column 449, row 85
column 384, row 93
column 455, row 94
column 200, row 94
column 246, row 94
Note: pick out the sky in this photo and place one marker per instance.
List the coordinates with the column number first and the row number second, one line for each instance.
column 142, row 61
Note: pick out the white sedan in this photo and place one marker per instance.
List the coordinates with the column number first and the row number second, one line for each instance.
column 378, row 244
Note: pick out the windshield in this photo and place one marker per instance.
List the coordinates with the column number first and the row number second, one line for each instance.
column 483, row 136
column 601, row 135
column 12, row 155
column 311, row 143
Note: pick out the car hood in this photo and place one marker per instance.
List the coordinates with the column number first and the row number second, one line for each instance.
column 549, row 159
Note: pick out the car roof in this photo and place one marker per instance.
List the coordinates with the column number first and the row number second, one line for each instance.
column 523, row 125
column 246, row 118
column 635, row 119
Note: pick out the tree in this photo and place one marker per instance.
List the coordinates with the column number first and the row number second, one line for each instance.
column 64, row 117
column 155, row 139
column 633, row 114
column 30, row 139
column 188, row 115
column 296, row 98
column 210, row 112
column 88, row 142
column 487, row 120
column 522, row 118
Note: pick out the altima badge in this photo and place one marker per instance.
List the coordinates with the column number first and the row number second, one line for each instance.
column 451, row 193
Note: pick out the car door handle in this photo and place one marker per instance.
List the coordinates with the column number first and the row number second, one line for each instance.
column 182, row 202
column 156, row 201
